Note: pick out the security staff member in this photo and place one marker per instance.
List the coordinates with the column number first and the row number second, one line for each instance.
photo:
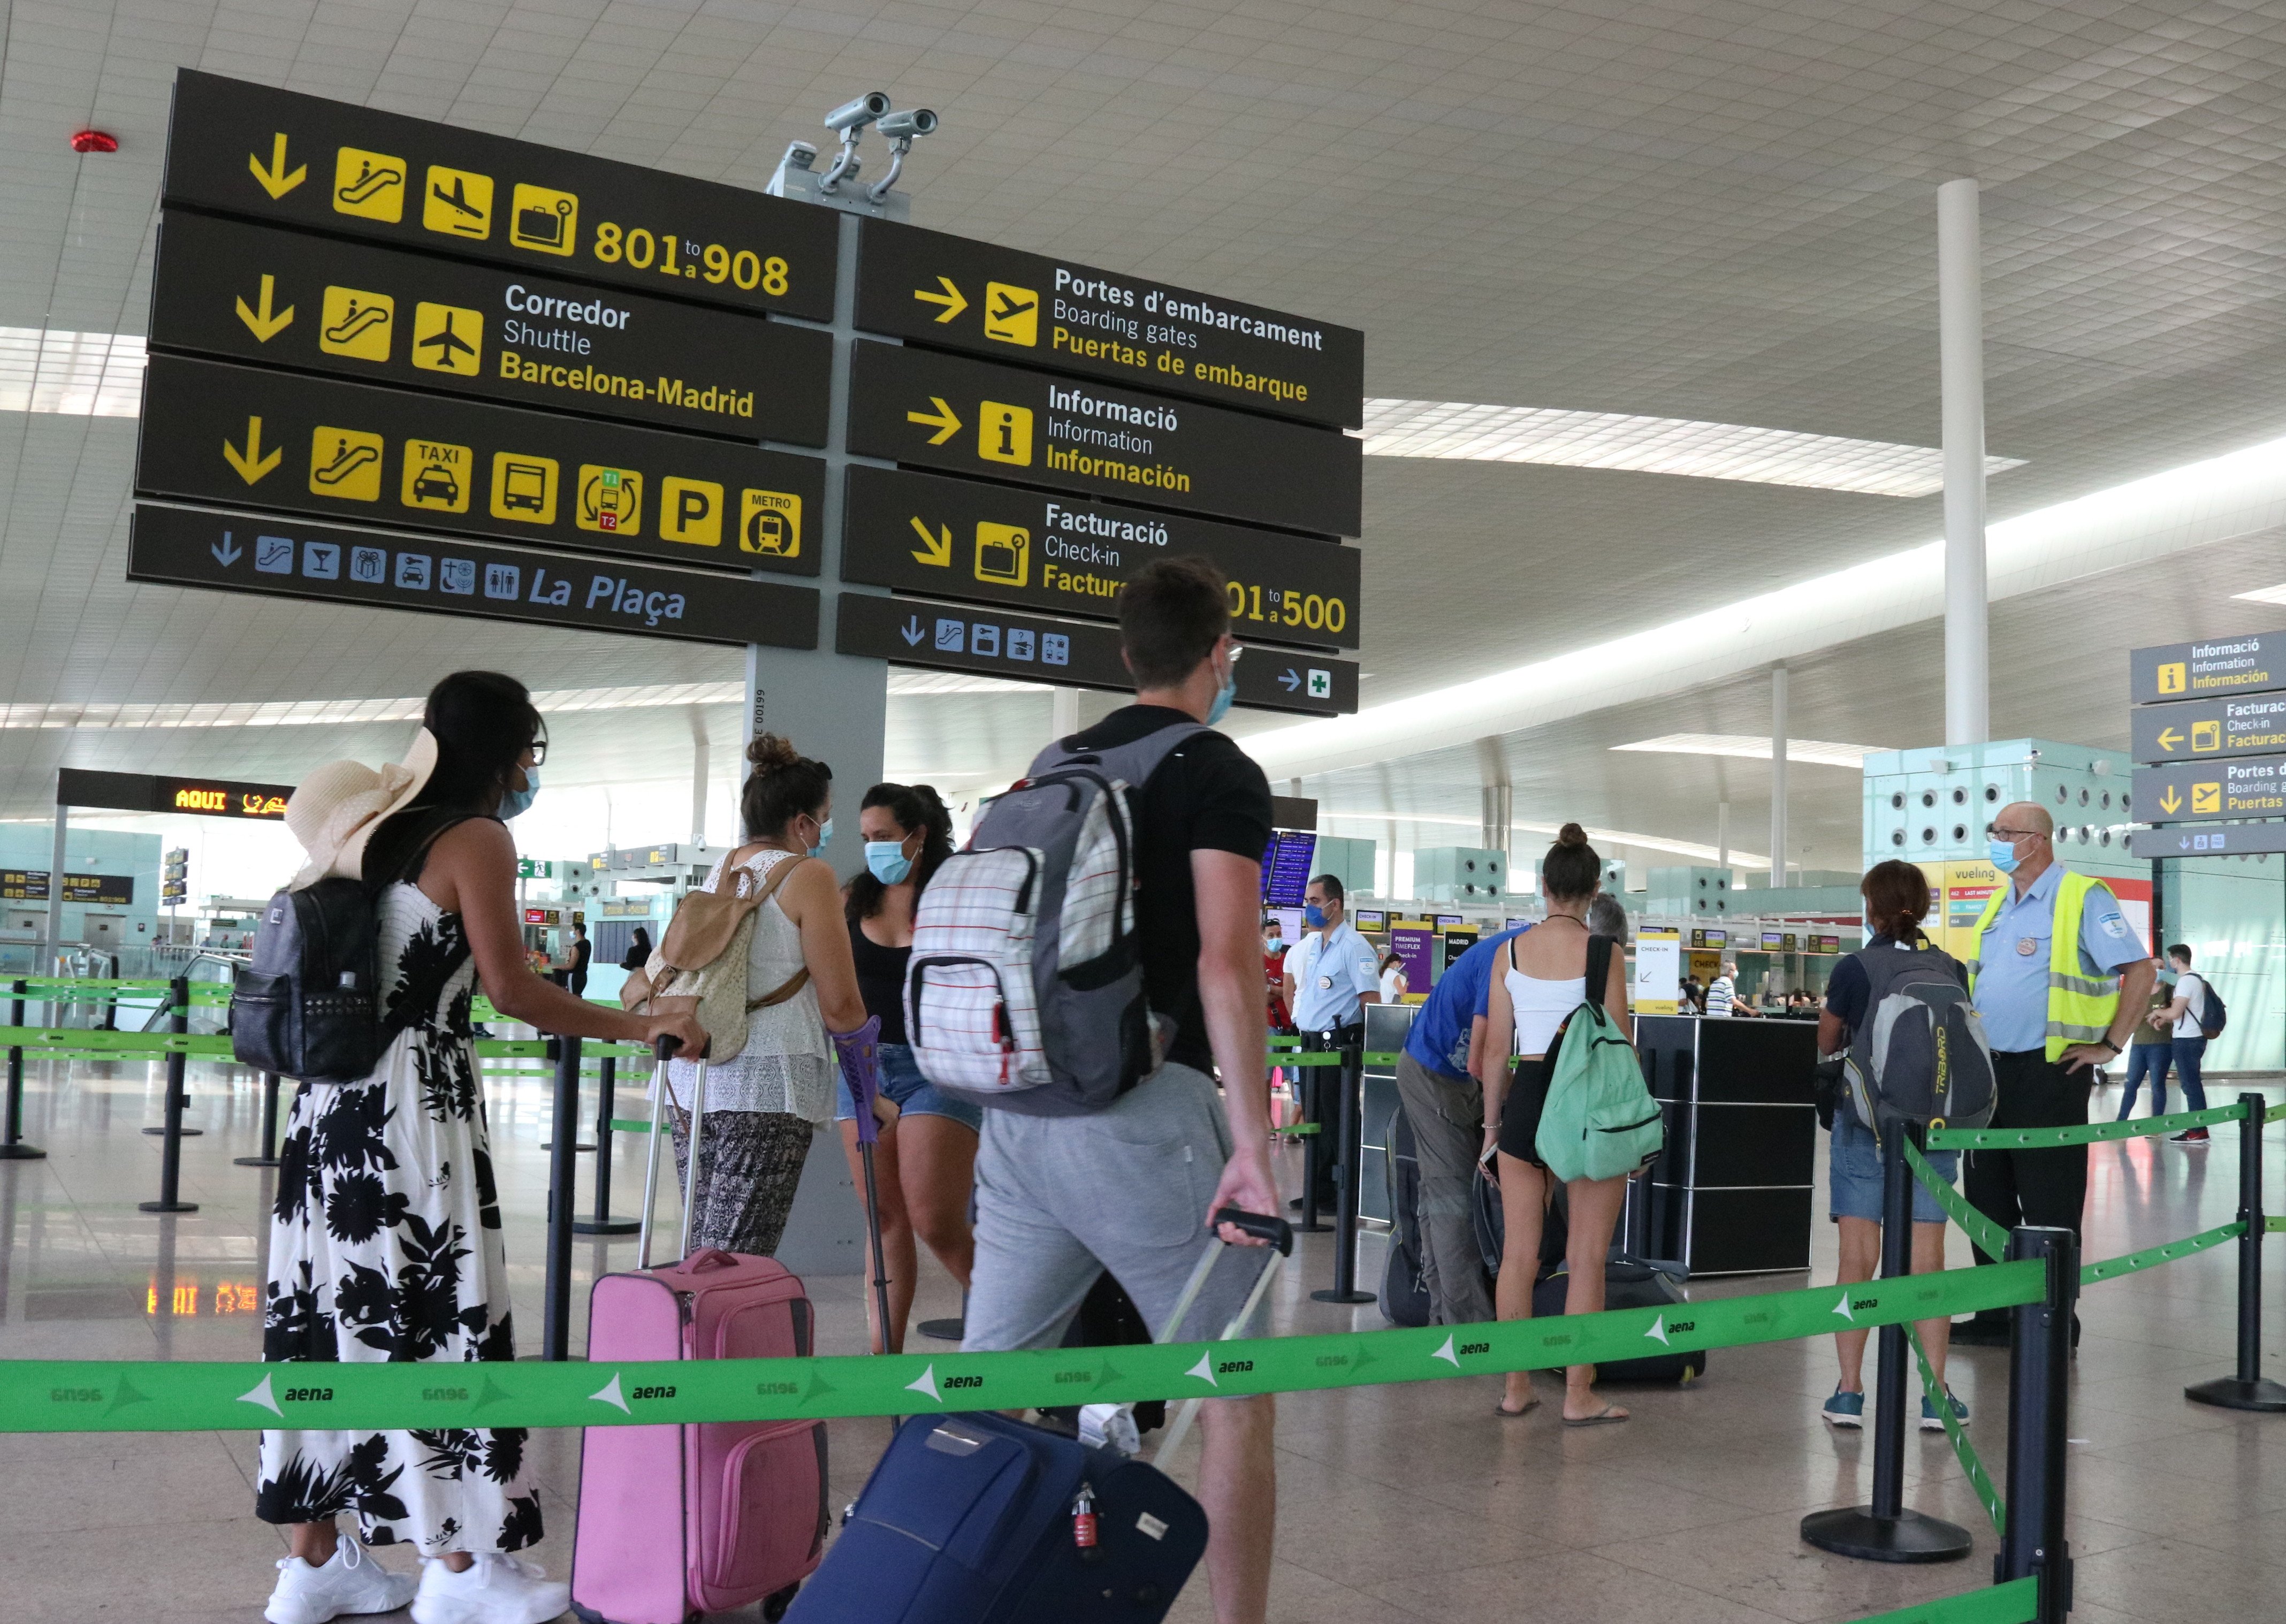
column 1329, row 976
column 2061, row 981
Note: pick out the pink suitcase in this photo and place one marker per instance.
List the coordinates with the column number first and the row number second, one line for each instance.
column 679, row 1521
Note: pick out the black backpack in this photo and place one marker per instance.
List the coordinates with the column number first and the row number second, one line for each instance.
column 1920, row 1054
column 308, row 1005
column 2214, row 1017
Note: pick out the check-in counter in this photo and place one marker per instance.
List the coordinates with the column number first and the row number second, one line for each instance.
column 1386, row 1026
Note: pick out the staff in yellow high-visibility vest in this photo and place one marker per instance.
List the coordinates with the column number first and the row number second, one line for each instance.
column 2061, row 980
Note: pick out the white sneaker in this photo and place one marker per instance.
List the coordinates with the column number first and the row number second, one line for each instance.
column 350, row 1581
column 493, row 1589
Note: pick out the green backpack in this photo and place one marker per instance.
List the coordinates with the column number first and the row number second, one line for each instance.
column 1599, row 1121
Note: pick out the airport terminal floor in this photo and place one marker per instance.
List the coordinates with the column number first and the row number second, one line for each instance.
column 1396, row 1503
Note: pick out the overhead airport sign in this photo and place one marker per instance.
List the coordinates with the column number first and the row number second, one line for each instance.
column 235, row 435
column 149, row 792
column 2223, row 789
column 1033, row 311
column 2203, row 728
column 1068, row 653
column 288, row 558
column 1070, row 555
column 1001, row 422
column 2247, row 839
column 31, row 885
column 2209, row 668
column 323, row 165
column 284, row 298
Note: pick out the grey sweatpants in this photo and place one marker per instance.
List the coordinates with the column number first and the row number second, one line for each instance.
column 1449, row 1132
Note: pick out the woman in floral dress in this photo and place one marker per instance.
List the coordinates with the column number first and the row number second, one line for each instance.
column 385, row 1238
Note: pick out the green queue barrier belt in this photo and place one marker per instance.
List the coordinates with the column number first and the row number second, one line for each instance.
column 2017, row 1602
column 1990, row 1238
column 1939, row 1399
column 2274, row 1225
column 81, row 1396
column 2077, row 1133
column 218, row 1045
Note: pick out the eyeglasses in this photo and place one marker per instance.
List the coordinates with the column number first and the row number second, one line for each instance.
column 540, row 750
column 2016, row 834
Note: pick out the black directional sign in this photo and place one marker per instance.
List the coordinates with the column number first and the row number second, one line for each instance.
column 325, row 166
column 238, row 552
column 347, row 451
column 1031, row 311
column 285, row 298
column 1002, row 422
column 1070, row 653
column 2204, row 729
column 2237, row 838
column 1069, row 555
column 2254, row 663
column 2223, row 789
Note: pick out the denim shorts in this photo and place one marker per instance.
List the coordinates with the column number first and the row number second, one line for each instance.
column 1854, row 1174
column 913, row 1094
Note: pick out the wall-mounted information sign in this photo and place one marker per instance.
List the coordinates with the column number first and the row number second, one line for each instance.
column 2223, row 789
column 1069, row 555
column 1286, row 867
column 2200, row 728
column 286, row 299
column 2252, row 663
column 1001, row 422
column 1037, row 311
column 147, row 793
column 1371, row 918
column 31, row 885
column 2237, row 839
column 287, row 558
column 338, row 451
column 1069, row 653
column 326, row 166
column 1709, row 938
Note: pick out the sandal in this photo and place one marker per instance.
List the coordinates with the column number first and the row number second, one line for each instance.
column 1609, row 1416
column 1501, row 1409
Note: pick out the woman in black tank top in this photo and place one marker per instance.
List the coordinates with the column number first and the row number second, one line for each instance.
column 925, row 1163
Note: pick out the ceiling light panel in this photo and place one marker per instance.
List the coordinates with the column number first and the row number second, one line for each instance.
column 2263, row 595
column 1755, row 747
column 325, row 713
column 75, row 374
column 1456, row 430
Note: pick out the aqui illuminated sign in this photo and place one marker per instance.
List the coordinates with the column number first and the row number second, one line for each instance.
column 147, row 792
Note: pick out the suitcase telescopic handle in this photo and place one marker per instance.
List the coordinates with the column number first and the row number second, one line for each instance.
column 1276, row 1231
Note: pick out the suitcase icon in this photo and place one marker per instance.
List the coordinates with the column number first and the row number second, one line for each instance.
column 1003, row 554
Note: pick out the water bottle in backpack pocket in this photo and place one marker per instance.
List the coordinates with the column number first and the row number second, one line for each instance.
column 1921, row 1053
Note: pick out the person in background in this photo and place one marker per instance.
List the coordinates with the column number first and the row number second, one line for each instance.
column 385, row 1235
column 1722, row 992
column 1273, row 974
column 924, row 1164
column 1896, row 896
column 1542, row 979
column 765, row 1103
column 2188, row 1046
column 1692, row 996
column 1607, row 918
column 1393, row 984
column 639, row 950
column 2061, row 980
column 1330, row 975
column 575, row 977
column 2150, row 1049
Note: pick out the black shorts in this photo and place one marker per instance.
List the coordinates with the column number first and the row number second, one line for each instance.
column 1520, row 1122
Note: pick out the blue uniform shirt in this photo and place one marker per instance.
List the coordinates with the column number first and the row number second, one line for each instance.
column 1347, row 966
column 1439, row 1038
column 2012, row 985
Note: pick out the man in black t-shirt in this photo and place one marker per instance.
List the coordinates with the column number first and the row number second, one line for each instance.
column 1130, row 1188
column 583, row 954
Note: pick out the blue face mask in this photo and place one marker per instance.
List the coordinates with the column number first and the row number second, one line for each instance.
column 516, row 802
column 1314, row 916
column 1224, row 694
column 2003, row 854
column 887, row 861
column 824, row 834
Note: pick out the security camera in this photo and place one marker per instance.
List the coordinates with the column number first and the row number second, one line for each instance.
column 854, row 116
column 904, row 126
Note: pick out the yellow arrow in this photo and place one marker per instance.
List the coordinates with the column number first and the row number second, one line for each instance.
column 950, row 298
column 944, row 423
column 2171, row 801
column 939, row 547
column 261, row 323
column 2169, row 739
column 275, row 179
column 251, row 463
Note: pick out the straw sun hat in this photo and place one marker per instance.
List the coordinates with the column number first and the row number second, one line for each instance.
column 337, row 807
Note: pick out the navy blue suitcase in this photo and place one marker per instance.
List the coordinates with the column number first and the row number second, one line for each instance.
column 972, row 1518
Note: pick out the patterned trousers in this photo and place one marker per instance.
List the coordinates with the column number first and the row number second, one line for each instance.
column 749, row 1168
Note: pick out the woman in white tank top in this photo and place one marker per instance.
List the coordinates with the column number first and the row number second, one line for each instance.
column 1541, row 979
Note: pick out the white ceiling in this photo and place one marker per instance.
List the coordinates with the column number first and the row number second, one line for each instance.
column 1721, row 212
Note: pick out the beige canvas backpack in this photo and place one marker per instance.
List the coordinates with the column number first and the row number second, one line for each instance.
column 699, row 967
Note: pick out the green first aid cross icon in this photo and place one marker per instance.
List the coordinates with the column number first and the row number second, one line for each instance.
column 1321, row 683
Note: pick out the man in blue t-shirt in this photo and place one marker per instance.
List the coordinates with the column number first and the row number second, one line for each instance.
column 1436, row 1079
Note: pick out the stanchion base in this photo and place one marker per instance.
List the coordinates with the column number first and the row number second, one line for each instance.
column 2230, row 1393
column 256, row 1161
column 1910, row 1536
column 21, row 1153
column 1342, row 1296
column 160, row 1133
column 583, row 1148
column 606, row 1227
column 166, row 1206
column 944, row 1330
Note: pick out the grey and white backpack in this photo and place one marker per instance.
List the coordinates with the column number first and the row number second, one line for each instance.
column 1025, row 988
column 1920, row 1054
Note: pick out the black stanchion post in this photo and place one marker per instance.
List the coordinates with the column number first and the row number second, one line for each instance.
column 2250, row 1388
column 1314, row 1145
column 603, row 1223
column 13, row 1147
column 170, row 1148
column 2039, row 1420
column 269, row 1156
column 179, row 990
column 1886, row 1531
column 1349, row 1077
column 564, row 1128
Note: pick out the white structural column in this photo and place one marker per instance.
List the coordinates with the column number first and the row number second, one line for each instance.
column 1777, row 773
column 1723, row 835
column 1960, row 356
column 701, row 752
column 1063, row 713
